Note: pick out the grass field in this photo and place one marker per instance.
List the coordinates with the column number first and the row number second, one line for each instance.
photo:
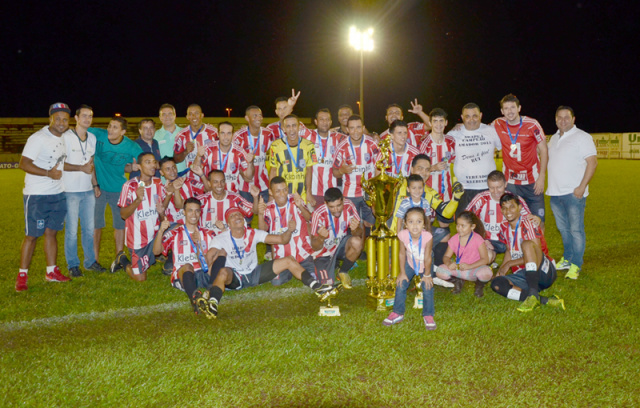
column 104, row 340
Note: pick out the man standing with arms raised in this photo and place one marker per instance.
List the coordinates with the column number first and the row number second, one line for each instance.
column 572, row 163
column 45, row 205
column 417, row 130
column 166, row 135
column 79, row 179
column 522, row 141
column 284, row 107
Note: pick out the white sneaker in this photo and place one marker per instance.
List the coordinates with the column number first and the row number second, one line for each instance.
column 442, row 282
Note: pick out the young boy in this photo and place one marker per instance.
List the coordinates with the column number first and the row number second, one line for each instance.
column 415, row 188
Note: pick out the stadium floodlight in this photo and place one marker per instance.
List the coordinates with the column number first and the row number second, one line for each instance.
column 361, row 41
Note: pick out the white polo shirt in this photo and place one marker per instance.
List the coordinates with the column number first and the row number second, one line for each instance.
column 567, row 161
column 47, row 151
column 78, row 152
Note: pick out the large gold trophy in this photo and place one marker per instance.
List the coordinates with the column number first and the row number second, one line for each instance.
column 382, row 190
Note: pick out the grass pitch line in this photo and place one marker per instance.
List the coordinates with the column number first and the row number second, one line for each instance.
column 146, row 310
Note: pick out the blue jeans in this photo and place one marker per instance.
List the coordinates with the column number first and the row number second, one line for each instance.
column 569, row 214
column 401, row 295
column 79, row 205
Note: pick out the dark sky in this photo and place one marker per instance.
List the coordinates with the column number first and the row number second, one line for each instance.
column 130, row 57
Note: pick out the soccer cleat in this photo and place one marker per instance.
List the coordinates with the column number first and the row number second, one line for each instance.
column 208, row 306
column 167, row 270
column 529, row 304
column 393, row 318
column 574, row 272
column 563, row 264
column 96, row 267
column 75, row 272
column 56, row 276
column 21, row 282
column 442, row 282
column 345, row 279
column 116, row 265
column 555, row 301
column 429, row 323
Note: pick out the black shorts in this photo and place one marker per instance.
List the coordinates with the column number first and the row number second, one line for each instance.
column 326, row 265
column 261, row 274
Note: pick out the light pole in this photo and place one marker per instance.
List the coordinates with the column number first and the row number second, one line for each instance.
column 361, row 41
column 228, row 112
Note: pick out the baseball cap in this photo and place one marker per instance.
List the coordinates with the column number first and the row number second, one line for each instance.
column 231, row 211
column 59, row 107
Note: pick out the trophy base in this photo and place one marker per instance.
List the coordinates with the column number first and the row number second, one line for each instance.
column 380, row 304
column 329, row 311
column 417, row 302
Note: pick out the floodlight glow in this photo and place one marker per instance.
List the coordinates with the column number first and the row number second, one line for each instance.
column 361, row 41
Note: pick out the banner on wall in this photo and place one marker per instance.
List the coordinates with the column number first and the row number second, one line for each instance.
column 631, row 145
column 608, row 145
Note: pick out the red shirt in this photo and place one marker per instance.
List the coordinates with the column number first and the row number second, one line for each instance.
column 521, row 164
column 326, row 150
column 213, row 210
column 526, row 231
column 183, row 251
column 363, row 156
column 260, row 148
column 142, row 225
column 277, row 218
column 337, row 230
column 439, row 152
column 231, row 163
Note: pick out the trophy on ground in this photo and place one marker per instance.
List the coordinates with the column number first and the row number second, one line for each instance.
column 329, row 310
column 382, row 190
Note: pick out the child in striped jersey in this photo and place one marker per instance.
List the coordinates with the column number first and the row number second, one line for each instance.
column 472, row 255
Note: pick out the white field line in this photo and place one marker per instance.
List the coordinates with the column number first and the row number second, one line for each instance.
column 278, row 293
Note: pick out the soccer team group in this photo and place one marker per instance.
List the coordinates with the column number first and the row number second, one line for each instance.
column 191, row 195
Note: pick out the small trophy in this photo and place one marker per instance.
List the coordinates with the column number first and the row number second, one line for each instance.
column 417, row 302
column 328, row 310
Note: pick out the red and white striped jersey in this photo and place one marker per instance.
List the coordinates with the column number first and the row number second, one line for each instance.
column 171, row 212
column 521, row 164
column 438, row 152
column 326, row 149
column 183, row 251
column 363, row 156
column 525, row 231
column 278, row 131
column 417, row 131
column 277, row 218
column 260, row 147
column 488, row 211
column 399, row 164
column 142, row 225
column 322, row 217
column 213, row 210
column 231, row 163
column 205, row 136
column 242, row 256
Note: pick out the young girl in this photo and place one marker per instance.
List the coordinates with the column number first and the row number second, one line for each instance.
column 472, row 255
column 415, row 259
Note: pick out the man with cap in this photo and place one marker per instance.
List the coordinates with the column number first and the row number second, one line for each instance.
column 45, row 205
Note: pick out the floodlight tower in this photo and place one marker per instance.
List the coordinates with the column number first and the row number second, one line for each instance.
column 361, row 41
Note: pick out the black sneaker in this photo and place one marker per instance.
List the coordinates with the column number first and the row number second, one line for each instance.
column 116, row 265
column 96, row 267
column 75, row 272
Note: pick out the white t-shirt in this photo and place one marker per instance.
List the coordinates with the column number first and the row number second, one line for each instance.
column 474, row 155
column 79, row 153
column 567, row 161
column 241, row 257
column 47, row 151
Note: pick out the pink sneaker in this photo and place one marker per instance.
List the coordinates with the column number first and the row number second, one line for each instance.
column 21, row 282
column 429, row 323
column 56, row 276
column 393, row 318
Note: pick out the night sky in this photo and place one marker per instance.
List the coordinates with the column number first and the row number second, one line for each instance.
column 130, row 57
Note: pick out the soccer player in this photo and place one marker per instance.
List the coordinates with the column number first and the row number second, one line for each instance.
column 572, row 163
column 284, row 108
column 216, row 202
column 326, row 144
column 441, row 150
column 196, row 134
column 355, row 160
column 174, row 212
column 417, row 130
column 79, row 179
column 344, row 113
column 256, row 140
column 147, row 143
column 336, row 235
column 486, row 206
column 291, row 157
column 189, row 248
column 402, row 153
column 45, row 205
column 527, row 257
column 115, row 156
column 273, row 216
column 166, row 135
column 522, row 141
column 232, row 160
column 476, row 144
column 139, row 202
column 241, row 264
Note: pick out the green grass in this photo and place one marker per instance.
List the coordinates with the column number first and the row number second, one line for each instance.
column 269, row 348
